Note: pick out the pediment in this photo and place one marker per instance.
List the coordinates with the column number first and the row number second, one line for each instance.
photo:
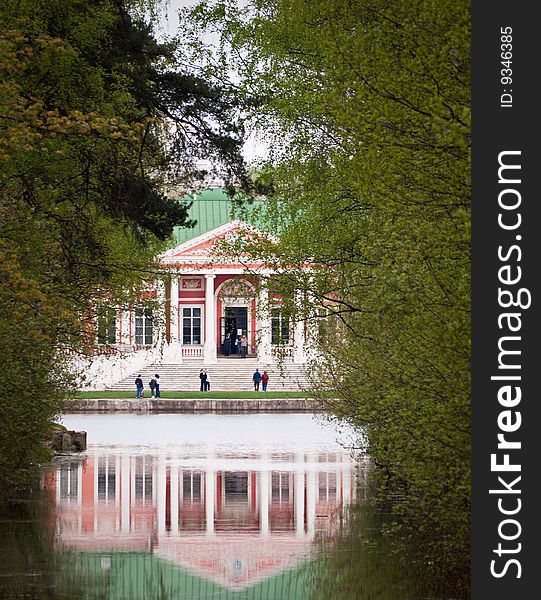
column 203, row 247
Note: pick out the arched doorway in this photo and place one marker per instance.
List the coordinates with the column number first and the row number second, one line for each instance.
column 236, row 309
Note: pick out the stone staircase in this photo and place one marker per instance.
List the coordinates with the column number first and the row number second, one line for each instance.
column 229, row 374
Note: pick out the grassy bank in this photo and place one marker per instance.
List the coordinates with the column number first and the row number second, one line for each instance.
column 195, row 395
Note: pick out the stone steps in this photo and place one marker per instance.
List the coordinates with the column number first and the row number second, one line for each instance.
column 227, row 375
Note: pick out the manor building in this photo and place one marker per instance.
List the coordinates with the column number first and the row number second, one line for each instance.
column 209, row 298
column 205, row 297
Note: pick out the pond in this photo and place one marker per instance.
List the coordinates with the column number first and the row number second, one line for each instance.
column 199, row 505
column 204, row 506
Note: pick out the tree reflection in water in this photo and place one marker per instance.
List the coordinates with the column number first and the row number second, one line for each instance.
column 373, row 557
column 31, row 564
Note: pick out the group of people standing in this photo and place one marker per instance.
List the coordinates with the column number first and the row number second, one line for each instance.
column 257, row 378
column 153, row 384
column 205, row 381
column 238, row 346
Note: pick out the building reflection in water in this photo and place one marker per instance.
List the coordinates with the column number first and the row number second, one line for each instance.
column 235, row 520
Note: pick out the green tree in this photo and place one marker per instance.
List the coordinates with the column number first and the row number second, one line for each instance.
column 97, row 123
column 366, row 109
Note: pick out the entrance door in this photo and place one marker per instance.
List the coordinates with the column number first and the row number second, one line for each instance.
column 235, row 320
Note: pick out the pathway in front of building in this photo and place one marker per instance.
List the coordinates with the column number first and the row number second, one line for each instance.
column 228, row 374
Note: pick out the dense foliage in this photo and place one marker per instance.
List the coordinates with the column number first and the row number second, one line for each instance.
column 366, row 110
column 97, row 122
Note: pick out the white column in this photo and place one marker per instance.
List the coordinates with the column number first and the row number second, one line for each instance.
column 264, row 339
column 173, row 350
column 58, row 483
column 210, row 493
column 173, row 310
column 312, row 324
column 346, row 486
column 124, row 326
column 311, row 483
column 160, row 498
column 117, row 493
column 181, row 494
column 298, row 335
column 125, row 494
column 299, row 496
column 133, row 471
column 210, row 320
column 263, row 493
column 80, row 484
column 118, row 325
column 174, row 499
column 160, row 294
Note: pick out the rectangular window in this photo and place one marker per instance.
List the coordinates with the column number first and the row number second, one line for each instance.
column 191, row 325
column 279, row 328
column 191, row 486
column 111, row 483
column 148, row 486
column 143, row 326
column 280, row 487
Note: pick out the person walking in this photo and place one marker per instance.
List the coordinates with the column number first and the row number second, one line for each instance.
column 152, row 386
column 256, row 378
column 264, row 380
column 207, row 381
column 139, row 387
column 244, row 346
column 157, row 379
column 203, row 378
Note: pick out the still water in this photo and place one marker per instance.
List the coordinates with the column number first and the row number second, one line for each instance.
column 200, row 506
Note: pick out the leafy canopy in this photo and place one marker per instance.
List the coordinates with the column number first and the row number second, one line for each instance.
column 366, row 108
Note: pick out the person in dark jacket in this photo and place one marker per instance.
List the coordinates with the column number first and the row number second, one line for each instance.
column 203, row 378
column 256, row 378
column 157, row 379
column 139, row 387
column 227, row 344
column 152, row 386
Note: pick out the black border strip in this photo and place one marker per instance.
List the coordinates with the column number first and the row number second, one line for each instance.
column 503, row 125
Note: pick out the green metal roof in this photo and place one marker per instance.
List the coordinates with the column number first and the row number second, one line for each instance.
column 210, row 208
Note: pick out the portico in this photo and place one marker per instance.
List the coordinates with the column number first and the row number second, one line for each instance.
column 208, row 297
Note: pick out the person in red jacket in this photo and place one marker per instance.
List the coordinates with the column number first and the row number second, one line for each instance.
column 264, row 380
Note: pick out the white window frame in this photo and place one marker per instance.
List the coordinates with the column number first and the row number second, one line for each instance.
column 281, row 319
column 145, row 325
column 201, row 307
